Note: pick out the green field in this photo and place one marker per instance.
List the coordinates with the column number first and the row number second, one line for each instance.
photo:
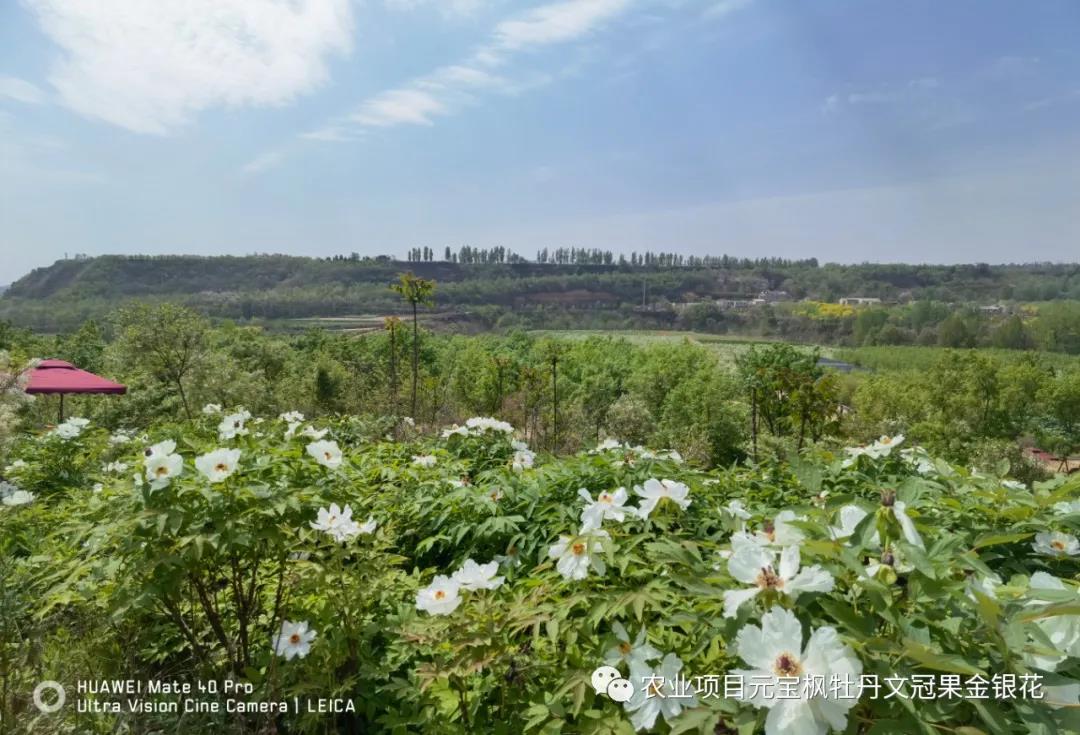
column 922, row 358
column 726, row 347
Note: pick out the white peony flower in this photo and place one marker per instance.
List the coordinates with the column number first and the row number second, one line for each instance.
column 233, row 426
column 71, row 428
column 780, row 532
column 984, row 585
column 425, row 460
column 631, row 650
column 310, row 432
column 294, row 640
column 853, row 454
column 775, row 650
column 481, row 424
column 368, row 526
column 211, row 409
column 656, row 490
column 1013, row 485
column 737, row 510
column 119, row 437
column 881, row 448
column 850, row 518
column 1062, row 630
column 161, row 449
column 884, row 446
column 441, row 597
column 753, row 564
column 328, row 454
column 337, row 523
column 606, row 446
column 1056, row 544
column 455, row 430
column 1065, row 508
column 576, row 554
column 473, row 576
column 408, row 421
column 292, row 417
column 907, row 526
column 17, row 497
column 162, row 464
column 658, row 691
column 116, row 467
column 523, row 459
column 219, row 464
column 920, row 459
column 97, row 488
column 607, row 506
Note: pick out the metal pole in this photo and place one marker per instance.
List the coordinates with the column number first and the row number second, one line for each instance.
column 61, row 408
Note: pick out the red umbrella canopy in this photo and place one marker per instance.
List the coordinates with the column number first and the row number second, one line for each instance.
column 57, row 376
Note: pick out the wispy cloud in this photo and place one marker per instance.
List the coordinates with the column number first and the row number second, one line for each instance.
column 1073, row 95
column 20, row 90
column 263, row 163
column 913, row 90
column 449, row 8
column 724, row 8
column 556, row 23
column 150, row 67
column 450, row 88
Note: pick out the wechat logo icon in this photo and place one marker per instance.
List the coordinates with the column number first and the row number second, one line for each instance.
column 607, row 680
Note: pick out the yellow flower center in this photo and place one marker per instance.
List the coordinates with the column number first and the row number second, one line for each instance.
column 161, row 471
column 327, row 456
column 221, row 467
column 787, row 665
column 1058, row 545
column 625, row 648
column 294, row 639
column 578, row 548
column 439, row 594
column 606, row 498
column 767, row 579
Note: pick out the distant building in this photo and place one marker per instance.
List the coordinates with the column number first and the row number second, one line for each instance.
column 993, row 310
column 859, row 301
column 1066, row 465
column 770, row 297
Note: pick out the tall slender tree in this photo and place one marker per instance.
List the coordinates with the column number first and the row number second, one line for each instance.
column 415, row 291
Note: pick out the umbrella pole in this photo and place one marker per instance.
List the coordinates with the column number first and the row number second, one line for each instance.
column 61, row 408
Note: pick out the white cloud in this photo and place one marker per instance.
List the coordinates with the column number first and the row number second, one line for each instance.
column 449, row 8
column 452, row 87
column 399, row 106
column 151, row 66
column 557, row 22
column 20, row 90
column 919, row 89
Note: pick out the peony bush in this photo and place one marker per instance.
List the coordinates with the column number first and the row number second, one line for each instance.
column 459, row 581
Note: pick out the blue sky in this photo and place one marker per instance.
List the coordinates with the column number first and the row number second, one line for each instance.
column 849, row 130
